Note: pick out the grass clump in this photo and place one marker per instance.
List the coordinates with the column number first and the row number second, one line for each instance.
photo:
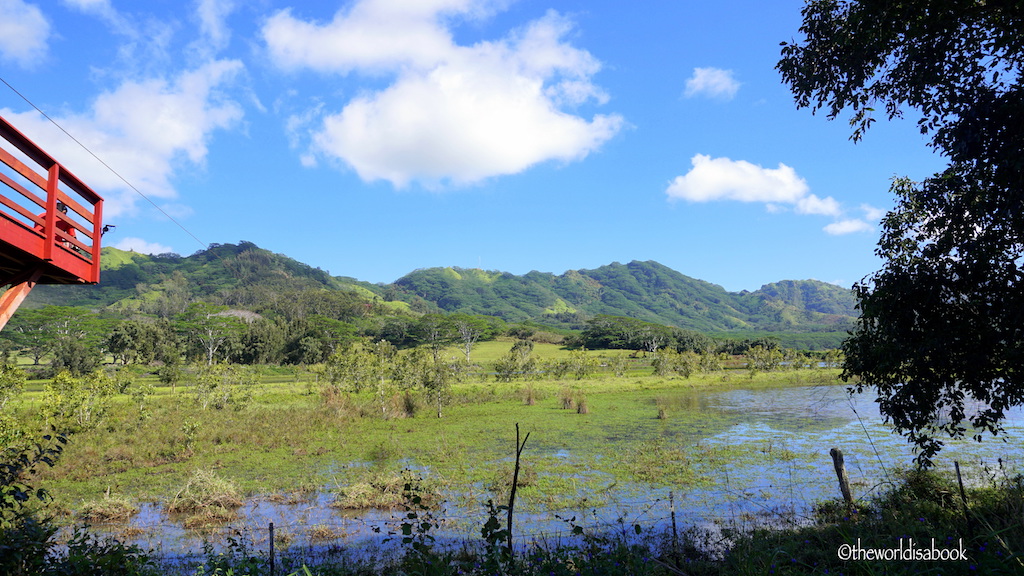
column 381, row 491
column 567, row 399
column 324, row 533
column 108, row 509
column 582, row 407
column 206, row 499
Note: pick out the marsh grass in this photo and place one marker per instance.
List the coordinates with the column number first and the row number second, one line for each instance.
column 108, row 509
column 530, row 395
column 206, row 499
column 323, row 533
column 288, row 438
column 919, row 506
column 383, row 490
column 501, row 482
column 582, row 406
column 567, row 398
column 916, row 506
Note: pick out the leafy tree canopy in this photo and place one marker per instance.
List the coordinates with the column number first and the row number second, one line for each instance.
column 941, row 332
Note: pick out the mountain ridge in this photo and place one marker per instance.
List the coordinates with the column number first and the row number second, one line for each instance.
column 646, row 290
column 245, row 275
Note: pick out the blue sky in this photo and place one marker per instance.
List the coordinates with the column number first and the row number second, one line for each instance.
column 370, row 138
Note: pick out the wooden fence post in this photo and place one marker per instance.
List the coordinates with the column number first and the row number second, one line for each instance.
column 675, row 533
column 271, row 549
column 963, row 494
column 844, row 480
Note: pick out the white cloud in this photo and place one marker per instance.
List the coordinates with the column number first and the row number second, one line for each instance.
column 143, row 247
column 811, row 204
column 713, row 83
column 720, row 179
column 24, row 33
column 145, row 48
column 713, row 179
column 373, row 34
column 871, row 213
column 91, row 6
column 848, row 227
column 451, row 112
column 105, row 11
column 143, row 130
column 212, row 16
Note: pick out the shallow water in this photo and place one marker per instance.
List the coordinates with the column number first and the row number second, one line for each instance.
column 778, row 441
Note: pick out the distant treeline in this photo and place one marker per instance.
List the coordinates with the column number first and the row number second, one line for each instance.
column 309, row 329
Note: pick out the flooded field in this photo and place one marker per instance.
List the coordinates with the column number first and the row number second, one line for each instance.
column 735, row 458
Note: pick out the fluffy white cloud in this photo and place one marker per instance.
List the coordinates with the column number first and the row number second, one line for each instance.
column 811, row 204
column 451, row 112
column 713, row 83
column 713, row 179
column 716, row 179
column 872, row 213
column 143, row 247
column 24, row 33
column 373, row 34
column 141, row 129
column 848, row 227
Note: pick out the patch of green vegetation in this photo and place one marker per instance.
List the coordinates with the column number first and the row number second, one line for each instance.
column 559, row 307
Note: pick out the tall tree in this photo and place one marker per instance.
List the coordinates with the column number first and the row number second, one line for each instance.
column 436, row 332
column 471, row 329
column 941, row 333
column 208, row 327
column 134, row 341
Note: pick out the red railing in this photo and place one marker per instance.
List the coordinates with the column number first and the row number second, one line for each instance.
column 50, row 222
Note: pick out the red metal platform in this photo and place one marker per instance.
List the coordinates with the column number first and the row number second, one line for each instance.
column 50, row 222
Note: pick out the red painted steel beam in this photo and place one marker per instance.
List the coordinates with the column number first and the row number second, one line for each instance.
column 16, row 294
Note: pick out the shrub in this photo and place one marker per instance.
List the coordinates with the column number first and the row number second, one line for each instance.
column 87, row 554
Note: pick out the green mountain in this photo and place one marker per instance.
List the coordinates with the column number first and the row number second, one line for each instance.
column 245, row 276
column 241, row 275
column 645, row 290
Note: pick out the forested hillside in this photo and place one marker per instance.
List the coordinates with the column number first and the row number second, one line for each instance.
column 304, row 313
column 644, row 290
column 225, row 272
